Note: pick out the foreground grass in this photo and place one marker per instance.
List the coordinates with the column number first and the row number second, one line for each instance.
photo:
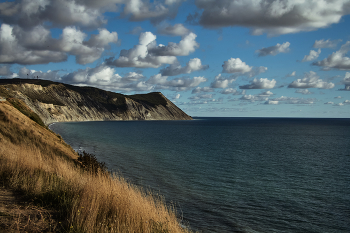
column 35, row 161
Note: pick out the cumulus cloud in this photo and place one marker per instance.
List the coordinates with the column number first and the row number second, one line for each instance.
column 294, row 100
column 271, row 102
column 148, row 54
column 105, row 77
column 186, row 46
column 291, row 74
column 139, row 55
column 346, row 82
column 25, row 73
column 346, row 102
column 311, row 80
column 201, row 96
column 337, row 60
column 331, row 103
column 37, row 46
column 320, row 44
column 176, row 30
column 253, row 98
column 236, row 65
column 176, row 84
column 194, row 64
column 156, row 11
column 274, row 50
column 232, row 91
column 303, row 91
column 265, row 93
column 313, row 55
column 202, row 89
column 222, row 82
column 270, row 16
column 13, row 52
column 256, row 71
column 262, row 83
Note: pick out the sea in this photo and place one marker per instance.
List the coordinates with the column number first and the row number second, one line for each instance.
column 232, row 174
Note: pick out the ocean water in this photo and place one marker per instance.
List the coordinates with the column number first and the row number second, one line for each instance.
column 233, row 174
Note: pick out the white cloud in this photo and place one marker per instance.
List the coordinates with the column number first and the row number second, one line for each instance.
column 271, row 102
column 311, row 80
column 312, row 55
column 202, row 89
column 270, row 16
column 232, row 91
column 274, row 50
column 262, row 83
column 256, row 71
column 13, row 52
column 253, row 98
column 201, row 96
column 176, row 84
column 235, row 65
column 346, row 102
column 265, row 94
column 336, row 60
column 294, row 100
column 291, row 74
column 176, row 30
column 303, row 91
column 33, row 74
column 194, row 64
column 156, row 11
column 36, row 46
column 259, row 97
column 104, row 77
column 331, row 103
column 221, row 82
column 186, row 46
column 337, row 97
column 28, row 14
column 346, row 81
column 139, row 55
column 320, row 44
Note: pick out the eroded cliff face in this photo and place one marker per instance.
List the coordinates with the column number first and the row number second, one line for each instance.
column 55, row 102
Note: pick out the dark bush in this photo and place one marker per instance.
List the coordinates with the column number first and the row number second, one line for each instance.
column 90, row 163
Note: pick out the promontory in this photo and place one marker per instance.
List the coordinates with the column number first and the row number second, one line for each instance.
column 58, row 102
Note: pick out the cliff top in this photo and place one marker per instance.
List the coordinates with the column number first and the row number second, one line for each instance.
column 153, row 98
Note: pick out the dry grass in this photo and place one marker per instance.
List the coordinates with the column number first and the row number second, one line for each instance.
column 36, row 162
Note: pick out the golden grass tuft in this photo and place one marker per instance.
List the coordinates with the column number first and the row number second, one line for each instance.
column 36, row 162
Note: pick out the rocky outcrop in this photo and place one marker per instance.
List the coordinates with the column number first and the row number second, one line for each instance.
column 57, row 102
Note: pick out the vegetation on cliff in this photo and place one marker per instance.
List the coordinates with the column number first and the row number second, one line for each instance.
column 57, row 102
column 37, row 162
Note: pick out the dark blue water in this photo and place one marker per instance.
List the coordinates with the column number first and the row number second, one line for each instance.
column 233, row 174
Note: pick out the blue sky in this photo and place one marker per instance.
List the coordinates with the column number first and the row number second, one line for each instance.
column 269, row 58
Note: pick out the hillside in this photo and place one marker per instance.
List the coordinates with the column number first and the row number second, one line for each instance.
column 63, row 193
column 58, row 102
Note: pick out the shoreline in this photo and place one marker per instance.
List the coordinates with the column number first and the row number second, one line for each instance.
column 28, row 148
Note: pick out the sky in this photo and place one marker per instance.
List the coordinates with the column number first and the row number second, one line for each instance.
column 212, row 58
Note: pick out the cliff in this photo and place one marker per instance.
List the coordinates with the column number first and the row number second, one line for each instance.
column 58, row 102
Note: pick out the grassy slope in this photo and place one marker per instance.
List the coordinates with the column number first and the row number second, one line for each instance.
column 38, row 163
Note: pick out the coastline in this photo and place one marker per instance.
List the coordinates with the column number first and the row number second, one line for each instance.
column 46, row 151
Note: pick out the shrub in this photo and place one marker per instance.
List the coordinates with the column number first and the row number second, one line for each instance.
column 90, row 163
